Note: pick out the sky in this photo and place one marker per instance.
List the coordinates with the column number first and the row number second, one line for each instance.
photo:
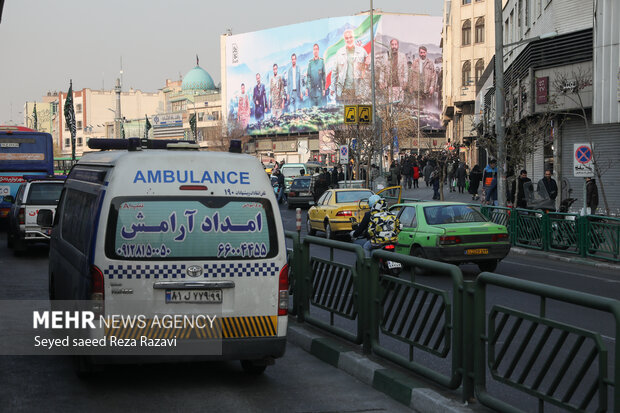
column 45, row 43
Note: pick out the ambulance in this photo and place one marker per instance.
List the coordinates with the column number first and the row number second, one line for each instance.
column 175, row 231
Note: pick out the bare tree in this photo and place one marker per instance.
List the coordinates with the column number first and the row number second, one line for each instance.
column 572, row 86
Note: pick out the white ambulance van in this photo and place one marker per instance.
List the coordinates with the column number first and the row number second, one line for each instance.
column 181, row 231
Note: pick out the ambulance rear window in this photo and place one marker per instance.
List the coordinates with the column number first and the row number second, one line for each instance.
column 172, row 228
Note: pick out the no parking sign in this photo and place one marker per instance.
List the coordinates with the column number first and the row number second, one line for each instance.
column 582, row 160
column 344, row 154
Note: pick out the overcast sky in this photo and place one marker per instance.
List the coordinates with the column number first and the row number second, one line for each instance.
column 45, row 43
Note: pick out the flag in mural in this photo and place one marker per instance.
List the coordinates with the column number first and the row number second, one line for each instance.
column 70, row 117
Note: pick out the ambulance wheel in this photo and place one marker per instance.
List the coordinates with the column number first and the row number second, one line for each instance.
column 252, row 367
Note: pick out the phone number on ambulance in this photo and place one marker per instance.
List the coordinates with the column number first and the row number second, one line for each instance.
column 246, row 249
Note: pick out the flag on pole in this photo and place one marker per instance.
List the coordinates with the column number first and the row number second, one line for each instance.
column 34, row 117
column 147, row 128
column 70, row 117
column 122, row 131
column 192, row 124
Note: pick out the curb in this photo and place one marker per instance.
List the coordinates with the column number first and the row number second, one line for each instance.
column 556, row 257
column 397, row 385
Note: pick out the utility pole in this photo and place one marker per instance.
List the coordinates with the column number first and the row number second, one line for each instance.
column 372, row 86
column 499, row 104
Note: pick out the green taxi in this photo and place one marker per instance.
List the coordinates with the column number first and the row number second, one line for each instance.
column 450, row 232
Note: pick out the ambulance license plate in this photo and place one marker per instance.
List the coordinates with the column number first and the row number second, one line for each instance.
column 193, row 296
column 477, row 251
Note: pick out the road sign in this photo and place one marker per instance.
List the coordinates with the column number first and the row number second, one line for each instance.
column 582, row 160
column 350, row 114
column 344, row 154
column 364, row 114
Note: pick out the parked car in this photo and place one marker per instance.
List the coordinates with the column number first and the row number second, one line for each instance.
column 335, row 209
column 31, row 196
column 299, row 194
column 451, row 232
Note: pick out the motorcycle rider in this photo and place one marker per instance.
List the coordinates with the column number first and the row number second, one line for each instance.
column 379, row 226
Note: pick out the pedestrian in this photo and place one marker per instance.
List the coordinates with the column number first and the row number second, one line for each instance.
column 434, row 179
column 416, row 174
column 475, row 176
column 334, row 177
column 407, row 172
column 452, row 176
column 591, row 195
column 550, row 185
column 520, row 197
column 281, row 194
column 461, row 177
column 393, row 177
column 489, row 182
column 426, row 172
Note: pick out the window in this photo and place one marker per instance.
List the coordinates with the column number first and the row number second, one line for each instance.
column 466, row 73
column 526, row 12
column 77, row 213
column 201, row 116
column 407, row 217
column 466, row 33
column 480, row 30
column 44, row 194
column 79, row 141
column 79, row 125
column 465, row 2
column 67, row 142
column 78, row 108
column 216, row 115
column 479, row 69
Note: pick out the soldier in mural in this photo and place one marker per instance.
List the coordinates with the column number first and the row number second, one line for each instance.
column 293, row 86
column 350, row 69
column 315, row 78
column 260, row 100
column 243, row 108
column 393, row 72
column 276, row 93
column 422, row 78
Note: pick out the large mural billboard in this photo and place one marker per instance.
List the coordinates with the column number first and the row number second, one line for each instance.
column 298, row 78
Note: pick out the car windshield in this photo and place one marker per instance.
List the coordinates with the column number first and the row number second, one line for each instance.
column 300, row 184
column 352, row 196
column 44, row 193
column 291, row 171
column 452, row 214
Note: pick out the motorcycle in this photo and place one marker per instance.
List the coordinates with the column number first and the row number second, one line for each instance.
column 393, row 268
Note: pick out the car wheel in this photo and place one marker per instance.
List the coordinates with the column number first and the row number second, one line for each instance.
column 419, row 253
column 328, row 231
column 488, row 266
column 253, row 368
column 309, row 229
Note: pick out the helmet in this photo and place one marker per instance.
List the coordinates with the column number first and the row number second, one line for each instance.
column 373, row 200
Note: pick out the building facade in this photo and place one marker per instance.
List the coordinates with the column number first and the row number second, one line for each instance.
column 555, row 73
column 468, row 40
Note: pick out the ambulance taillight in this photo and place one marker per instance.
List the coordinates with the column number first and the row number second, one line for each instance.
column 283, row 291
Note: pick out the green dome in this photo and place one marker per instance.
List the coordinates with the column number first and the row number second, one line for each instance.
column 197, row 79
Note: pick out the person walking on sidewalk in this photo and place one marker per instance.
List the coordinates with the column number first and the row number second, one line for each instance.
column 452, row 176
column 461, row 177
column 416, row 174
column 426, row 172
column 434, row 178
column 489, row 182
column 591, row 195
column 475, row 176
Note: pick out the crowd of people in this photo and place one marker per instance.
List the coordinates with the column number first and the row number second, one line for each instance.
column 480, row 183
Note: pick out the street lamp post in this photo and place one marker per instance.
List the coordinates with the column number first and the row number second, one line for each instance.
column 499, row 104
column 372, row 85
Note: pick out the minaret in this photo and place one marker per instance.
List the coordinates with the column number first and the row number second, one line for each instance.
column 117, row 120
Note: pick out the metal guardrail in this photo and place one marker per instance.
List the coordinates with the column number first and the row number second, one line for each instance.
column 420, row 316
column 601, row 237
column 553, row 362
column 571, row 362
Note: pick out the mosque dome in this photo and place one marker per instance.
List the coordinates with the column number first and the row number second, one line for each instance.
column 197, row 79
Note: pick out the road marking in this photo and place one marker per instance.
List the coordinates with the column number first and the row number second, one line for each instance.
column 561, row 271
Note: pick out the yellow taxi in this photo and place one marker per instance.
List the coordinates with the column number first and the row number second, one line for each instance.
column 334, row 210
